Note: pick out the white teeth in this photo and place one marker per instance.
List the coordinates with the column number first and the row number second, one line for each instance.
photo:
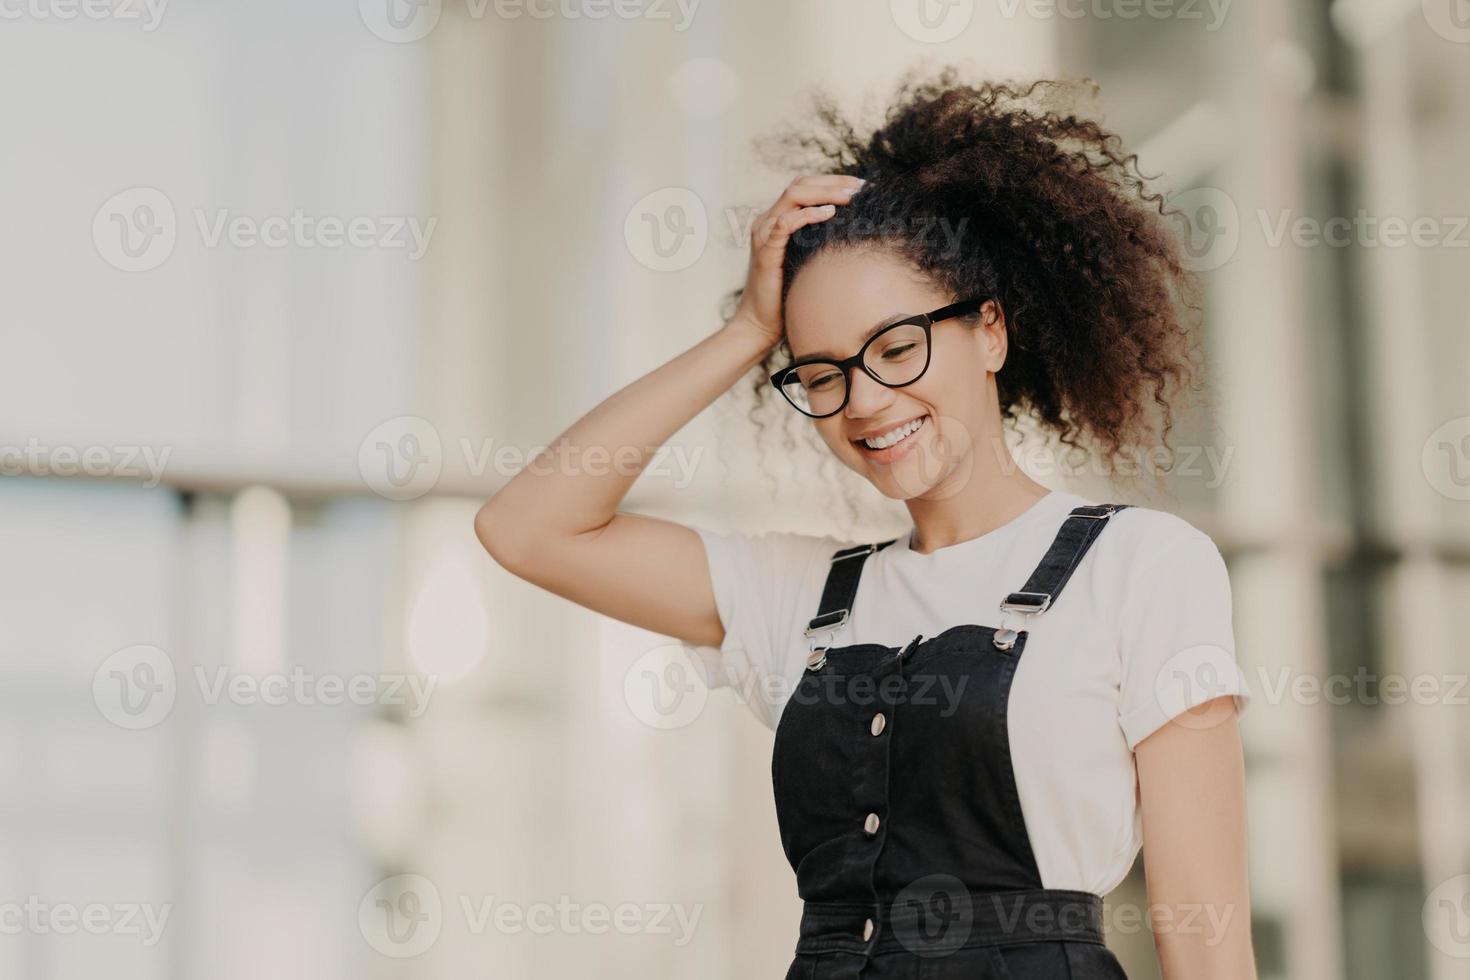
column 889, row 438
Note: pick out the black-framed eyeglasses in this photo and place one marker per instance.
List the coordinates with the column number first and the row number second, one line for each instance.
column 895, row 356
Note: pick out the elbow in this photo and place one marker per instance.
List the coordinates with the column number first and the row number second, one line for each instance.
column 494, row 532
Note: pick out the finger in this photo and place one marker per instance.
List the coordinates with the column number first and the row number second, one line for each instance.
column 828, row 179
column 831, row 190
column 806, row 192
column 827, row 189
column 770, row 241
column 780, row 226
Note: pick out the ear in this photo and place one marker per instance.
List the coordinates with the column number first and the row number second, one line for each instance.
column 994, row 342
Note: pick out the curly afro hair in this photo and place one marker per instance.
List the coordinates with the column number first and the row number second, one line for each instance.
column 1005, row 191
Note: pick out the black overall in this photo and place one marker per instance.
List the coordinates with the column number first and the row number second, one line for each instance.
column 898, row 807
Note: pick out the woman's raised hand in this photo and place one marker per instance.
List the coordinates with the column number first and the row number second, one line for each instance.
column 806, row 200
column 558, row 526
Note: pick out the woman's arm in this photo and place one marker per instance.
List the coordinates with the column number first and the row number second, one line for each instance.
column 556, row 523
column 1191, row 777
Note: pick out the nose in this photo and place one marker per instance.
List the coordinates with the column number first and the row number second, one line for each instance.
column 865, row 396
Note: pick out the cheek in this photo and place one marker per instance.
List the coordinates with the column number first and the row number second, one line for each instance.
column 831, row 433
column 936, row 390
column 954, row 383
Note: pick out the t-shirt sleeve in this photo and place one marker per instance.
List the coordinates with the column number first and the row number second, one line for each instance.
column 766, row 587
column 1176, row 637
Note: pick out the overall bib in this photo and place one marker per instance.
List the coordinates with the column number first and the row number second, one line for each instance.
column 897, row 802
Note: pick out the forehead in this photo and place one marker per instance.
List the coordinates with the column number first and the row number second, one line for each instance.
column 838, row 296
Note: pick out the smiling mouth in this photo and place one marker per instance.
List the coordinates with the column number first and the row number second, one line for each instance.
column 897, row 436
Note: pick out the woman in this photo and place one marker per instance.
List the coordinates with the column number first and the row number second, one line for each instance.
column 981, row 721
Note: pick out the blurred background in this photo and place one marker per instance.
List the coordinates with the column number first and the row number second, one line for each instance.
column 291, row 287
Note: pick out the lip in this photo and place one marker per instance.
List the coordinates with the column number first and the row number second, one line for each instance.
column 898, row 450
column 887, row 427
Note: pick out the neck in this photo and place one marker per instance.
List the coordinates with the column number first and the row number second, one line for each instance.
column 972, row 501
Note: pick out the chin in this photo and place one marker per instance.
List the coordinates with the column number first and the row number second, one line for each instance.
column 900, row 489
column 910, row 478
column 894, row 493
column 917, row 469
column 921, row 475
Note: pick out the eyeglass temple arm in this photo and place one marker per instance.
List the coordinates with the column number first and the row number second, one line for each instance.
column 959, row 309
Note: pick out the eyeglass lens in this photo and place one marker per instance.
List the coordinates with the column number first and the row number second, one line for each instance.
column 896, row 357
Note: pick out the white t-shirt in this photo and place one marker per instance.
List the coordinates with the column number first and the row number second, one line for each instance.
column 1140, row 633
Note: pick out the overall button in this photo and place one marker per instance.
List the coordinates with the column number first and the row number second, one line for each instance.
column 879, row 723
column 867, row 929
column 871, row 824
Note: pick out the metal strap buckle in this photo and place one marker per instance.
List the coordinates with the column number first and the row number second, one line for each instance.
column 815, row 645
column 820, row 627
column 1005, row 637
column 1108, row 511
column 866, row 549
column 1009, row 605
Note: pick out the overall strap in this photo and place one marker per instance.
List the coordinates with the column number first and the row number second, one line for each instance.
column 841, row 587
column 1078, row 531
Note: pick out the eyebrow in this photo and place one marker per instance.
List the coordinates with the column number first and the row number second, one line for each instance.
column 826, row 355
